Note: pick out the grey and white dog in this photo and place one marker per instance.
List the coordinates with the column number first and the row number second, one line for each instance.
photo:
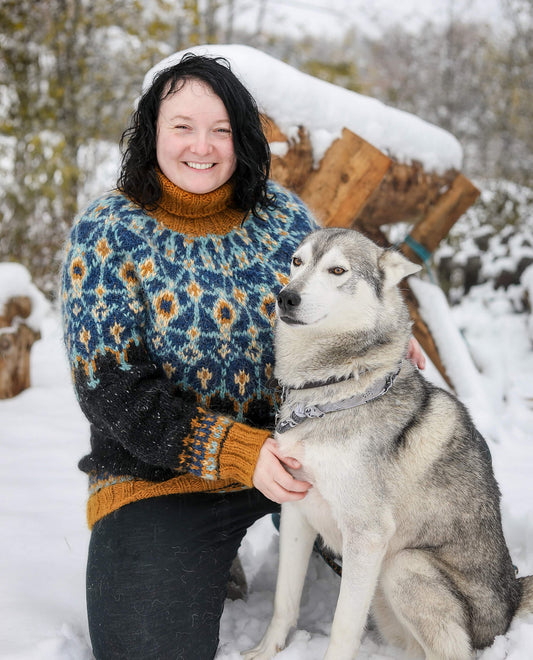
column 403, row 487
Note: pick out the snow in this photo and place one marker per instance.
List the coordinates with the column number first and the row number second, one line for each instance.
column 44, row 534
column 15, row 280
column 44, row 537
column 455, row 356
column 291, row 99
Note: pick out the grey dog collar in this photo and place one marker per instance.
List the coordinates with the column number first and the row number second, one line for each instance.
column 300, row 412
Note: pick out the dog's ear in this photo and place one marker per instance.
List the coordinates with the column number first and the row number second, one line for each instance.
column 396, row 267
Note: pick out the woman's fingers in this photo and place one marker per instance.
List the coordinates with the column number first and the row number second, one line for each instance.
column 415, row 354
column 272, row 479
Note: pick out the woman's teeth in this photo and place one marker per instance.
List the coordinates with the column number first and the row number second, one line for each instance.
column 200, row 166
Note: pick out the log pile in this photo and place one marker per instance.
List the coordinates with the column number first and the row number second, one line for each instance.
column 356, row 185
column 16, row 340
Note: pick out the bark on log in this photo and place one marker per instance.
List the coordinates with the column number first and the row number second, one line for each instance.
column 406, row 194
column 349, row 173
column 293, row 169
column 16, row 340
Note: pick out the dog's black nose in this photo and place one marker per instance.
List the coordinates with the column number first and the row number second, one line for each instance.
column 288, row 300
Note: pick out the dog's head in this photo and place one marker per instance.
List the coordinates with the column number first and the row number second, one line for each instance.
column 342, row 281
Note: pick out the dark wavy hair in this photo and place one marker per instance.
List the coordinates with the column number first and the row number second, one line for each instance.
column 138, row 175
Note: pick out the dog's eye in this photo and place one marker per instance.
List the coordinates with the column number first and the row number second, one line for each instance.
column 337, row 270
column 296, row 261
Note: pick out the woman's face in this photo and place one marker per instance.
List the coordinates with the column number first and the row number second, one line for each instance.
column 194, row 140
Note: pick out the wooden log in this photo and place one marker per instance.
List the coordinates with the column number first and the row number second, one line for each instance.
column 293, row 169
column 16, row 340
column 349, row 173
column 345, row 179
column 429, row 232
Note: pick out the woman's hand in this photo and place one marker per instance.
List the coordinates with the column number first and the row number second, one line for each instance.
column 414, row 353
column 272, row 479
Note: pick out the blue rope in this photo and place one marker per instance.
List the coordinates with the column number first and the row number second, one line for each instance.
column 418, row 248
column 422, row 252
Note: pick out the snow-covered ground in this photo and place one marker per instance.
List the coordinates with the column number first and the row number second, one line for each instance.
column 44, row 538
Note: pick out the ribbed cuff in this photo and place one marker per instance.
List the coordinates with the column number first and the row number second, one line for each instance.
column 241, row 451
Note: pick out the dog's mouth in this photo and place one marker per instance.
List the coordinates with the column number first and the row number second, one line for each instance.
column 290, row 321
column 290, row 317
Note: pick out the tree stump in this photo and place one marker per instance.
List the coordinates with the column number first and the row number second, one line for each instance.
column 16, row 340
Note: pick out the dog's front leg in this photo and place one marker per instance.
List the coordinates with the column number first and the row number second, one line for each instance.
column 295, row 545
column 362, row 556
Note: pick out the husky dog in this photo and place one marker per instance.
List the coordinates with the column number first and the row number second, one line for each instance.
column 403, row 487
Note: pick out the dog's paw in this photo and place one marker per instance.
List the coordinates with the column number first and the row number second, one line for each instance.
column 263, row 651
column 273, row 640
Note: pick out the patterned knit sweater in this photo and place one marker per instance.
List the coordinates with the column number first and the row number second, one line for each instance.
column 168, row 321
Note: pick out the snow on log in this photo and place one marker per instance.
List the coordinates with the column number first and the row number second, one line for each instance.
column 16, row 340
column 345, row 179
column 22, row 308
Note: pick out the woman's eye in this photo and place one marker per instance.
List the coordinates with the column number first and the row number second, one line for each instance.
column 296, row 261
column 337, row 270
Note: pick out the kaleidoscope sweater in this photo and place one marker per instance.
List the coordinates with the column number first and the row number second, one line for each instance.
column 168, row 324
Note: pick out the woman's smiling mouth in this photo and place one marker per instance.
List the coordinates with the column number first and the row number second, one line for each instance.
column 200, row 166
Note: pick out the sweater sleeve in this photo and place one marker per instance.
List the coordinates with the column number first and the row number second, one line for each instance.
column 126, row 397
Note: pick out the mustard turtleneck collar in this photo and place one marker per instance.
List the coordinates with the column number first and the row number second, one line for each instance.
column 194, row 214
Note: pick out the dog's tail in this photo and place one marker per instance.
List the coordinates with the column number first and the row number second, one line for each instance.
column 526, row 602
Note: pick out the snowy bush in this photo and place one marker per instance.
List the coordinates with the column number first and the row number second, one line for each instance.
column 491, row 243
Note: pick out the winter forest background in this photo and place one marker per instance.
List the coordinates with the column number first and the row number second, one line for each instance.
column 71, row 69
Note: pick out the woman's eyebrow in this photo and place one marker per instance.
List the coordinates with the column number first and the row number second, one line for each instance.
column 180, row 117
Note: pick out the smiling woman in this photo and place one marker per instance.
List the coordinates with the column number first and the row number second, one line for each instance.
column 194, row 139
column 168, row 303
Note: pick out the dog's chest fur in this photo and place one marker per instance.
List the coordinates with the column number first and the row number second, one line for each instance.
column 342, row 470
column 360, row 474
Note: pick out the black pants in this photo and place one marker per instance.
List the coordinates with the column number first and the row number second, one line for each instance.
column 157, row 574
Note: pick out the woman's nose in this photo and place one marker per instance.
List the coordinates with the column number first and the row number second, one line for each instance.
column 200, row 144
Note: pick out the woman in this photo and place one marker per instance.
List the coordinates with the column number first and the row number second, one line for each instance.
column 168, row 307
column 168, row 310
